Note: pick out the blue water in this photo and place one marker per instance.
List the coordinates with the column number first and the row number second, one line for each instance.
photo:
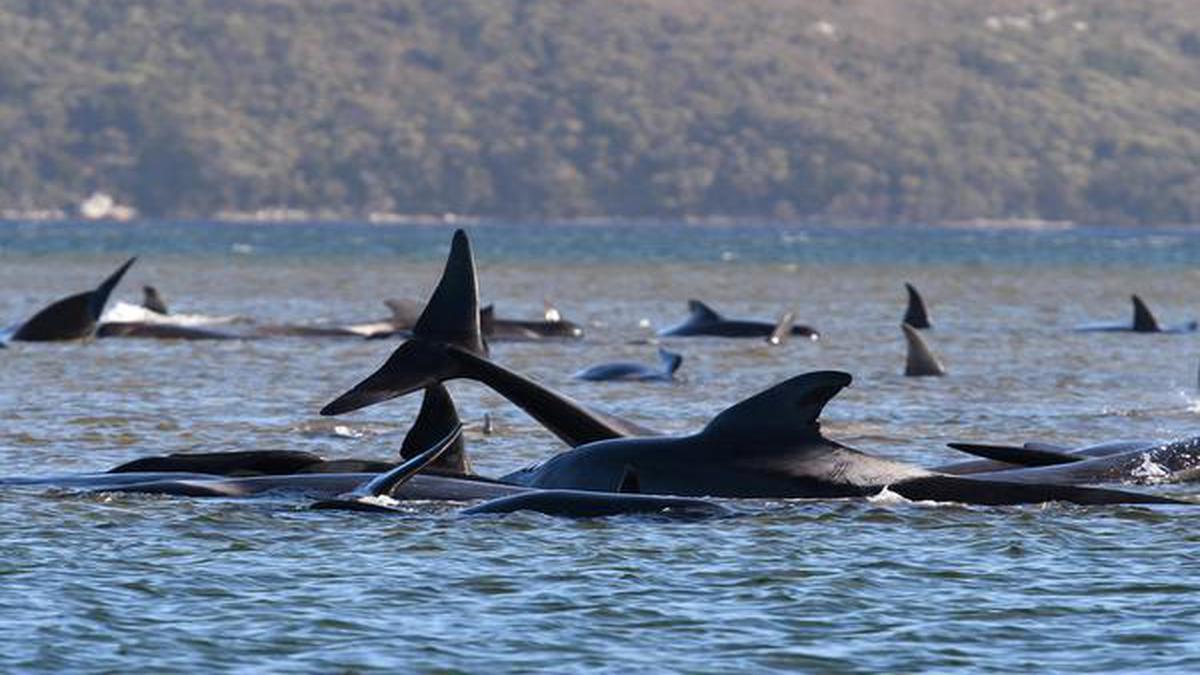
column 104, row 583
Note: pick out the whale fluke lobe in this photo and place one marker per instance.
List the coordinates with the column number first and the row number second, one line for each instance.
column 787, row 411
column 152, row 301
column 1012, row 454
column 438, row 414
column 920, row 361
column 73, row 317
column 916, row 315
column 1143, row 319
column 452, row 314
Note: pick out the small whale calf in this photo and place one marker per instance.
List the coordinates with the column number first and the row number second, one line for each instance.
column 702, row 320
column 637, row 372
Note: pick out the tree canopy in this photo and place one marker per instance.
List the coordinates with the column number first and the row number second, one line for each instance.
column 842, row 110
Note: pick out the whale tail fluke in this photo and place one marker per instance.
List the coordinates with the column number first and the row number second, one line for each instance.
column 670, row 361
column 1143, row 318
column 916, row 315
column 920, row 361
column 787, row 411
column 72, row 317
column 437, row 416
column 450, row 319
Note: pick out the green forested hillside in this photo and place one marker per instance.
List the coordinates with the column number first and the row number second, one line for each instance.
column 860, row 110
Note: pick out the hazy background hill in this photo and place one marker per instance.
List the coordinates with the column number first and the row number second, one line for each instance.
column 904, row 110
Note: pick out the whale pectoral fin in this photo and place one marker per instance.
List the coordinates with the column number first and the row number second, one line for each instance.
column 1143, row 319
column 915, row 315
column 385, row 484
column 999, row 493
column 670, row 361
column 1016, row 455
column 702, row 312
column 783, row 329
column 784, row 413
column 920, row 360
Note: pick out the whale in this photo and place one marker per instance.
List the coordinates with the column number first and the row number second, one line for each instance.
column 919, row 360
column 446, row 343
column 73, row 317
column 552, row 326
column 1144, row 462
column 766, row 446
column 915, row 314
column 637, row 372
column 1144, row 321
column 770, row 445
column 702, row 320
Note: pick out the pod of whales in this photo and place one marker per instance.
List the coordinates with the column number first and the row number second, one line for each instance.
column 638, row 372
column 1143, row 322
column 703, row 320
column 73, row 317
column 766, row 446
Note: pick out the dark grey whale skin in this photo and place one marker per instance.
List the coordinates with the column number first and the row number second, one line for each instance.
column 73, row 317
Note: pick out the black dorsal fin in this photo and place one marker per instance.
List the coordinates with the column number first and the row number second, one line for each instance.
column 920, row 360
column 670, row 360
column 152, row 301
column 784, row 413
column 916, row 315
column 437, row 415
column 1011, row 454
column 701, row 311
column 452, row 315
column 1143, row 319
column 405, row 311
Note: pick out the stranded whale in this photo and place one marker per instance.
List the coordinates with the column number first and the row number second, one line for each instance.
column 1143, row 322
column 625, row 370
column 703, row 320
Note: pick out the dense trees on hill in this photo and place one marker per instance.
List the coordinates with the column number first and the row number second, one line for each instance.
column 880, row 110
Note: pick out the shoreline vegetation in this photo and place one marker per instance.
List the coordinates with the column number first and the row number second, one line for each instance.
column 1016, row 114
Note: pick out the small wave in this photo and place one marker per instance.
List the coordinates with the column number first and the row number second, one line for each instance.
column 125, row 312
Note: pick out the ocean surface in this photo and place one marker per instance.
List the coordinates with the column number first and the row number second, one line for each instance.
column 115, row 582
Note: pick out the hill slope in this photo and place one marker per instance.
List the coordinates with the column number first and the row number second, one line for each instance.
column 908, row 110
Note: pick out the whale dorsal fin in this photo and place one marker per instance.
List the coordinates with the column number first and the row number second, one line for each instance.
column 487, row 318
column 152, row 301
column 670, row 361
column 702, row 312
column 452, row 315
column 1143, row 319
column 916, row 315
column 436, row 416
column 784, row 413
column 405, row 311
column 783, row 329
column 72, row 317
column 920, row 360
column 1011, row 454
